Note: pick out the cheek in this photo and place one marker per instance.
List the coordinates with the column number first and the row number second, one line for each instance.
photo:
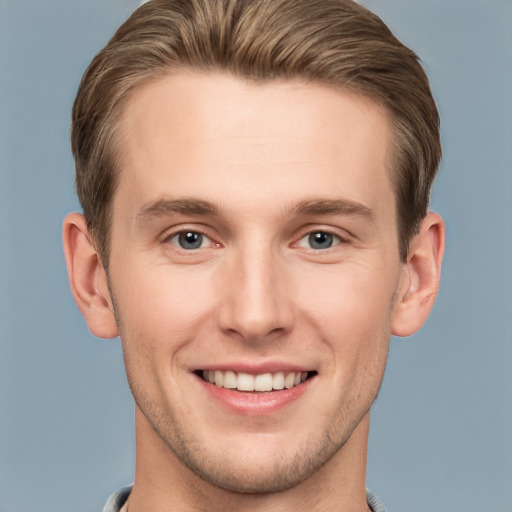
column 159, row 309
column 355, row 296
column 353, row 315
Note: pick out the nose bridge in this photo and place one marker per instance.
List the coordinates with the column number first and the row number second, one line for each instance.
column 256, row 300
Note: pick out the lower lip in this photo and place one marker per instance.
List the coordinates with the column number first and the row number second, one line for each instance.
column 254, row 403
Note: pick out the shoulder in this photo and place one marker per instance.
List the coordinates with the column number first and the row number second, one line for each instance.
column 374, row 502
column 117, row 500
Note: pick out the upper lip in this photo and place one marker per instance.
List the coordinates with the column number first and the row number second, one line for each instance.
column 255, row 369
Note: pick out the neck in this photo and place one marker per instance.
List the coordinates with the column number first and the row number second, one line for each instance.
column 163, row 482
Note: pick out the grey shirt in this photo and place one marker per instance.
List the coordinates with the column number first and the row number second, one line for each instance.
column 118, row 499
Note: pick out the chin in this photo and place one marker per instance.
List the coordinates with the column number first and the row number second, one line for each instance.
column 261, row 465
column 244, row 476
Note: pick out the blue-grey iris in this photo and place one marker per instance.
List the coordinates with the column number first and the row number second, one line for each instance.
column 320, row 240
column 190, row 240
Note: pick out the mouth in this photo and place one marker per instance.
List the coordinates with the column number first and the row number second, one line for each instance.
column 248, row 383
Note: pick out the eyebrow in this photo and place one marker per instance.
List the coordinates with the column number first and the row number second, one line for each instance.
column 163, row 207
column 333, row 207
column 191, row 206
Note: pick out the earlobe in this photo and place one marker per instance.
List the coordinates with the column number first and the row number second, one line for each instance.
column 420, row 277
column 87, row 278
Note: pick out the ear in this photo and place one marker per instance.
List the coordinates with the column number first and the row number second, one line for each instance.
column 420, row 277
column 87, row 278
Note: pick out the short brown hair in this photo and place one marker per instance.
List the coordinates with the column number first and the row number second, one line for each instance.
column 333, row 42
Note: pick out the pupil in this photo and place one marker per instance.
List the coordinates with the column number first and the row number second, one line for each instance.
column 190, row 240
column 320, row 240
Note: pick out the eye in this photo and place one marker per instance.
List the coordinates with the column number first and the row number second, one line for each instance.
column 189, row 240
column 319, row 240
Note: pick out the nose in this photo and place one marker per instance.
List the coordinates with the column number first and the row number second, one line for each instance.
column 257, row 297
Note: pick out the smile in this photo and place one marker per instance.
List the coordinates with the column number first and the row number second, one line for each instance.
column 257, row 383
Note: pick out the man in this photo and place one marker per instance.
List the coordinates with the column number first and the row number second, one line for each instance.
column 255, row 177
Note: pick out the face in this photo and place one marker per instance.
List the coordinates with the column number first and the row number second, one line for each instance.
column 254, row 266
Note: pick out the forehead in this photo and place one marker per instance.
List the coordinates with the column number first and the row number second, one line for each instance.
column 279, row 138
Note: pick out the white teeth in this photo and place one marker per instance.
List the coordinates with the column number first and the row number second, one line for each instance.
column 263, row 382
column 219, row 378
column 247, row 382
column 278, row 381
column 289, row 380
column 229, row 380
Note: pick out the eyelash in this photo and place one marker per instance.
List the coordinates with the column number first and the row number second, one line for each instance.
column 333, row 240
column 184, row 232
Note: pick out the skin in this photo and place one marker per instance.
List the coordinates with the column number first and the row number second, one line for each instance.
column 255, row 170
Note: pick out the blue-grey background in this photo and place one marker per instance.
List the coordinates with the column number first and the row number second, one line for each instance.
column 441, row 436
